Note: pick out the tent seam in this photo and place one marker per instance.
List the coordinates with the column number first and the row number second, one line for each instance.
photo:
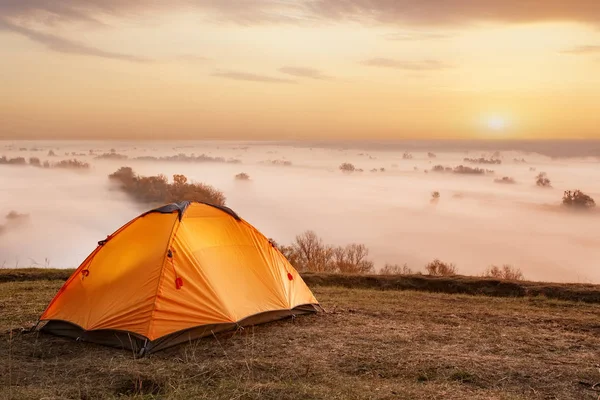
column 174, row 230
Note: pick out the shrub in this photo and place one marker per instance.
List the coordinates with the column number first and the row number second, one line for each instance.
column 35, row 162
column 431, row 155
column 507, row 272
column 439, row 268
column 505, row 179
column 542, row 180
column 51, row 153
column 578, row 199
column 242, row 176
column 407, row 156
column 395, row 269
column 347, row 167
column 157, row 190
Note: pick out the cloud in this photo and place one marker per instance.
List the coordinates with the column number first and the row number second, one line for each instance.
column 398, row 12
column 457, row 12
column 61, row 45
column 242, row 12
column 589, row 49
column 416, row 36
column 246, row 76
column 302, row 72
column 425, row 65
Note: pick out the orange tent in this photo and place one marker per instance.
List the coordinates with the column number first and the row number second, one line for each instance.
column 173, row 274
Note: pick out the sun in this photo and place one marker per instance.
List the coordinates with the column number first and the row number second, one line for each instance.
column 496, row 123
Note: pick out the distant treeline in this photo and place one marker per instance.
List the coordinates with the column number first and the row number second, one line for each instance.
column 36, row 162
column 181, row 157
column 461, row 169
column 158, row 190
column 482, row 161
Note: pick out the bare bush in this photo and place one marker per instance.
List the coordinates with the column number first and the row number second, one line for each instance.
column 577, row 199
column 542, row 180
column 308, row 253
column 157, row 190
column 507, row 272
column 395, row 269
column 439, row 268
column 312, row 254
column 242, row 176
column 352, row 259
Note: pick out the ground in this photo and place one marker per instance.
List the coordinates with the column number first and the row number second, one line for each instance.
column 370, row 344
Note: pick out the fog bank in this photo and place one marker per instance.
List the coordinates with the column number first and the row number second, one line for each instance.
column 475, row 223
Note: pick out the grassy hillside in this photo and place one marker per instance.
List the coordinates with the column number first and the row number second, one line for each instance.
column 370, row 344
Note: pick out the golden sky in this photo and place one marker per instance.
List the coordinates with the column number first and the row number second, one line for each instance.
column 283, row 69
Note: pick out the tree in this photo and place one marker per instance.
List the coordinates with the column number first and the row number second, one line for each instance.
column 312, row 254
column 542, row 180
column 347, row 167
column 179, row 179
column 578, row 199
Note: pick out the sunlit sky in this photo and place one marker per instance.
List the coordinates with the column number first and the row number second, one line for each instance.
column 314, row 69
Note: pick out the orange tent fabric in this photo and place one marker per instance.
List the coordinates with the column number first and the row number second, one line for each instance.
column 176, row 273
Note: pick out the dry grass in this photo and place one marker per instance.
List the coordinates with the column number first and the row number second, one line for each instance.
column 401, row 280
column 371, row 344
